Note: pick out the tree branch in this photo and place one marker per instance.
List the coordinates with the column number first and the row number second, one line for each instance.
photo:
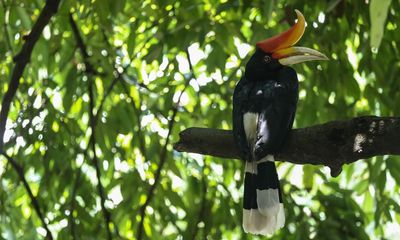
column 92, row 122
column 150, row 194
column 22, row 59
column 92, row 142
column 34, row 201
column 331, row 144
column 163, row 155
column 71, row 219
column 120, row 79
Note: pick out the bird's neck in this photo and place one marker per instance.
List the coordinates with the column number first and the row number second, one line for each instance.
column 265, row 77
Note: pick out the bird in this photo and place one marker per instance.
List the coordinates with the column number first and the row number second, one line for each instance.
column 264, row 107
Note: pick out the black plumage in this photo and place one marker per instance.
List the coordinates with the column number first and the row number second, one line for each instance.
column 271, row 90
column 264, row 106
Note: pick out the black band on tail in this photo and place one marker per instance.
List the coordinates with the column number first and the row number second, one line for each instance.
column 266, row 178
column 250, row 193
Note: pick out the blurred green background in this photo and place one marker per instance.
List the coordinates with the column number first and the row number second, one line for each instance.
column 160, row 66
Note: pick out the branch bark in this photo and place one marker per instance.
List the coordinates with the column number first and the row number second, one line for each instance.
column 331, row 144
column 22, row 59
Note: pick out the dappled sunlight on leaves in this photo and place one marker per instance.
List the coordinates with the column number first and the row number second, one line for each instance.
column 157, row 63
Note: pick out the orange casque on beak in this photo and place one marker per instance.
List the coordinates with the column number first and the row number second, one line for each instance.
column 285, row 39
column 281, row 46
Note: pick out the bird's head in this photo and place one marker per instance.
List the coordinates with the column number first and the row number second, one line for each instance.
column 278, row 51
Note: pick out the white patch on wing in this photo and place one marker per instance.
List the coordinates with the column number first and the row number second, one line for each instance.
column 250, row 121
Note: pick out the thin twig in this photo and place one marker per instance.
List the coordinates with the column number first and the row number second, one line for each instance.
column 5, row 25
column 138, row 113
column 22, row 59
column 92, row 141
column 119, row 78
column 92, row 122
column 106, row 94
column 163, row 158
column 200, row 217
column 34, row 201
column 71, row 220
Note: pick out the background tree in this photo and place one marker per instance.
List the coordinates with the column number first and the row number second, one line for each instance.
column 95, row 94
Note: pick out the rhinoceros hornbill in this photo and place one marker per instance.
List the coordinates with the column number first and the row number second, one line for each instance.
column 264, row 106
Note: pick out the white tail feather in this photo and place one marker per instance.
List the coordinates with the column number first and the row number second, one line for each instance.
column 268, row 202
column 280, row 219
column 256, row 223
column 270, row 215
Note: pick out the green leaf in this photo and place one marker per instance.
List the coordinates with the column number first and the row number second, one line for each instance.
column 70, row 88
column 267, row 8
column 127, row 42
column 393, row 165
column 381, row 180
column 154, row 53
column 24, row 17
column 217, row 58
column 102, row 8
column 308, row 176
column 368, row 201
column 378, row 10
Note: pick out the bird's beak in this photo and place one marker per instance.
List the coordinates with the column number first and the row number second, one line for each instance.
column 281, row 46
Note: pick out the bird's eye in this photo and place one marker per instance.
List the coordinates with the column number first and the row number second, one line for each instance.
column 267, row 59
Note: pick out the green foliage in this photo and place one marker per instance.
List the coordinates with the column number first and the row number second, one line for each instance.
column 145, row 45
column 378, row 11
